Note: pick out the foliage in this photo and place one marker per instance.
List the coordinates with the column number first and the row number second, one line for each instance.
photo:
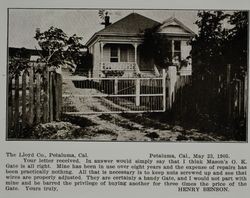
column 237, row 46
column 207, row 46
column 221, row 40
column 156, row 46
column 85, row 63
column 53, row 43
column 58, row 48
column 74, row 47
column 18, row 62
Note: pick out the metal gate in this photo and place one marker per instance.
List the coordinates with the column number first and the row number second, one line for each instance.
column 84, row 95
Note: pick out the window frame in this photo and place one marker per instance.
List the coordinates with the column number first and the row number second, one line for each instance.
column 173, row 51
column 177, row 51
column 114, row 57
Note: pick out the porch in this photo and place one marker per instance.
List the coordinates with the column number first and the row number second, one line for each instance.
column 123, row 57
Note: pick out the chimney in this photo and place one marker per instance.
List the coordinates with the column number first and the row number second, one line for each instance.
column 106, row 20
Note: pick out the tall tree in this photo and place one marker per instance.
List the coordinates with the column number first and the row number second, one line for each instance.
column 236, row 47
column 222, row 39
column 207, row 52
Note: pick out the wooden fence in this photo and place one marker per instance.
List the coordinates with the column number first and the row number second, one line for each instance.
column 222, row 97
column 34, row 96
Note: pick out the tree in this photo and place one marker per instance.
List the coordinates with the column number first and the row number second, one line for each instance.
column 237, row 43
column 222, row 39
column 207, row 46
column 53, row 43
column 73, row 51
column 58, row 48
column 156, row 46
column 18, row 62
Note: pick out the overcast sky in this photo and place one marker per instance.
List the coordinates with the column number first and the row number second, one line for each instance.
column 84, row 23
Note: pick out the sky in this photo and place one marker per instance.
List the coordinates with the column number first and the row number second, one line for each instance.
column 82, row 22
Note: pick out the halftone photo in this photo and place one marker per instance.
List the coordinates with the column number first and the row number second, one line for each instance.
column 136, row 75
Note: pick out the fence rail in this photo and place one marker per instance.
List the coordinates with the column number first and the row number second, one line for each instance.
column 34, row 96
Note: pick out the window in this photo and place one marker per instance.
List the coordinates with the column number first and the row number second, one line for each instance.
column 123, row 54
column 169, row 51
column 114, row 54
column 174, row 49
column 177, row 49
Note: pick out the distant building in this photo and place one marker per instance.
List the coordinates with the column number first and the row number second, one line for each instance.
column 31, row 54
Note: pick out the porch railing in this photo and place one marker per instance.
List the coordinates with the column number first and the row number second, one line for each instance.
column 118, row 66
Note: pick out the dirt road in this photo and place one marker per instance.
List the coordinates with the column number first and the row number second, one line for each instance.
column 113, row 127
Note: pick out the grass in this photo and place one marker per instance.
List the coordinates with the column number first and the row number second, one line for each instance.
column 147, row 120
column 78, row 120
column 119, row 122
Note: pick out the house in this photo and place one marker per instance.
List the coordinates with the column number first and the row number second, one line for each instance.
column 117, row 49
column 31, row 54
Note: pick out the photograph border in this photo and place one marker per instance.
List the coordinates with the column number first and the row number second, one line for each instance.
column 110, row 141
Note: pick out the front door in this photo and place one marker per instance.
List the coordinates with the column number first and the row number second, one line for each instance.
column 145, row 63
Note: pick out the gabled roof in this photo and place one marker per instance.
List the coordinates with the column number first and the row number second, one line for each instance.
column 135, row 24
column 172, row 21
column 132, row 24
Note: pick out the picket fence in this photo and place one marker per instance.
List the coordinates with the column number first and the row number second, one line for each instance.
column 34, row 96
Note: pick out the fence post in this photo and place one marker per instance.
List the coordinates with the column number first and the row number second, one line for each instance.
column 46, row 95
column 245, row 95
column 137, row 92
column 16, row 115
column 239, row 98
column 229, row 91
column 172, row 73
column 58, row 96
column 164, row 89
column 116, row 85
column 60, row 102
column 31, row 95
column 51, row 107
column 10, row 104
column 38, row 102
column 24, row 87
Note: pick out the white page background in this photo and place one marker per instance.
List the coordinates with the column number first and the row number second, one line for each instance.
column 111, row 149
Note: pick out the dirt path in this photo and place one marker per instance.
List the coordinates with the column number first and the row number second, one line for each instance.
column 116, row 127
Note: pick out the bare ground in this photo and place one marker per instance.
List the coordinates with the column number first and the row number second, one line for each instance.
column 112, row 127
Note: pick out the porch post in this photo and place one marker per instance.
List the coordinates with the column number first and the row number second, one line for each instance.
column 101, row 54
column 172, row 48
column 164, row 89
column 135, row 46
column 136, row 65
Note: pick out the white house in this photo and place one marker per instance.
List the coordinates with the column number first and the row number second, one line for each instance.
column 117, row 48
